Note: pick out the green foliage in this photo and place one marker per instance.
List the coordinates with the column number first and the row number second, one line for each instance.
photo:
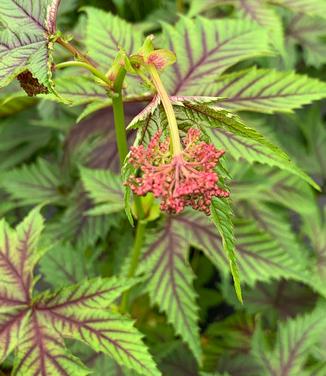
column 76, row 284
column 37, row 325
column 170, row 282
column 25, row 40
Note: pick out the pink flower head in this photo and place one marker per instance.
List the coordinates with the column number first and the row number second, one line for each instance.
column 186, row 179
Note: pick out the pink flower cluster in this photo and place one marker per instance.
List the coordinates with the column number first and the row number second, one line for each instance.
column 187, row 179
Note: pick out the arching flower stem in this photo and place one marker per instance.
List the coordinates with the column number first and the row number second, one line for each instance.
column 172, row 121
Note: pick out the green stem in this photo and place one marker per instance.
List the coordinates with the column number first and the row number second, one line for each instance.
column 172, row 121
column 87, row 66
column 119, row 117
column 75, row 52
column 135, row 255
column 120, row 129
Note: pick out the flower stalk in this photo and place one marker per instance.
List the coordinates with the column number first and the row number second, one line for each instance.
column 168, row 108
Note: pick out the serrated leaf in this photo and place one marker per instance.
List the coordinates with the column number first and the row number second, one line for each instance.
column 75, row 224
column 14, row 101
column 104, row 331
column 42, row 349
column 25, row 44
column 170, row 281
column 310, row 7
column 106, row 33
column 222, row 219
column 294, row 338
column 78, row 90
column 19, row 142
column 259, row 256
column 260, row 12
column 11, row 323
column 267, row 91
column 36, row 326
column 280, row 299
column 105, row 189
column 34, row 184
column 315, row 229
column 308, row 32
column 225, row 130
column 88, row 294
column 227, row 339
column 209, row 47
column 17, row 259
column 64, row 265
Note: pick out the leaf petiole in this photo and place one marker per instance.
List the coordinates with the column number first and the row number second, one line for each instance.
column 86, row 66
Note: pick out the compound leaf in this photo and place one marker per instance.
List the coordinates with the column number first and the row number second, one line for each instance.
column 25, row 42
column 295, row 337
column 106, row 33
column 34, row 184
column 309, row 7
column 36, row 326
column 105, row 189
column 267, row 91
column 205, row 48
column 222, row 218
column 170, row 281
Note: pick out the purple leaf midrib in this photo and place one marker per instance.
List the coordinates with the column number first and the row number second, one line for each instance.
column 80, row 300
column 79, row 324
column 182, row 82
column 37, row 22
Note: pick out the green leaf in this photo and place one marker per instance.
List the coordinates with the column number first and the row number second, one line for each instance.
column 42, row 349
column 77, row 90
column 295, row 338
column 260, row 12
column 206, row 48
column 19, row 140
column 315, row 228
column 64, row 265
column 309, row 7
column 170, row 282
column 222, row 218
column 76, row 226
column 227, row 131
column 309, row 32
column 25, row 43
column 259, row 256
column 36, row 326
column 106, row 33
column 13, row 101
column 88, row 294
column 34, row 184
column 105, row 189
column 267, row 91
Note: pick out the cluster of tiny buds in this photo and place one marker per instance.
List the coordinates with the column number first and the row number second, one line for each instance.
column 186, row 179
